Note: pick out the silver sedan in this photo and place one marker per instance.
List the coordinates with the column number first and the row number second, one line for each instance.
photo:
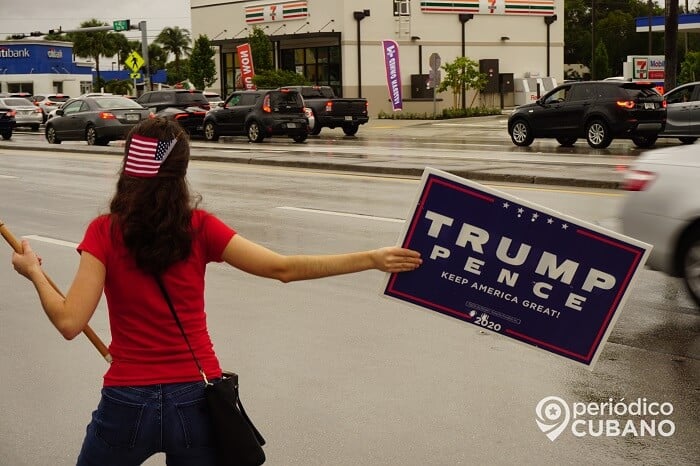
column 663, row 209
column 27, row 114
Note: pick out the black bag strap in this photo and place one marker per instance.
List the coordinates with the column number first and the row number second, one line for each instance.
column 161, row 285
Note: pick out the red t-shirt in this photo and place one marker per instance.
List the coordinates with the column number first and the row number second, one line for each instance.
column 147, row 346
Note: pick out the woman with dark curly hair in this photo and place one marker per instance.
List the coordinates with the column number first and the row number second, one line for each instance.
column 153, row 393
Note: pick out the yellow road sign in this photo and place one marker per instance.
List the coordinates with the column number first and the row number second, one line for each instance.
column 135, row 75
column 134, row 61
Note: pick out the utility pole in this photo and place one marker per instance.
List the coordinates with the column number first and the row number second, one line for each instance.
column 670, row 39
column 147, row 64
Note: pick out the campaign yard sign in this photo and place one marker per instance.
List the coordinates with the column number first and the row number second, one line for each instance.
column 516, row 268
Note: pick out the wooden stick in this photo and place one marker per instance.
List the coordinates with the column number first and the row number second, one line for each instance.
column 92, row 336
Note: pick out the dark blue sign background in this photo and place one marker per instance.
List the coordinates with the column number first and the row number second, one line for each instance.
column 443, row 284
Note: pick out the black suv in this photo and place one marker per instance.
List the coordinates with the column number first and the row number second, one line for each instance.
column 187, row 107
column 596, row 110
column 259, row 114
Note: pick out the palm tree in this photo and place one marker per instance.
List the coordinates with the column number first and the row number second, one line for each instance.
column 176, row 41
column 94, row 44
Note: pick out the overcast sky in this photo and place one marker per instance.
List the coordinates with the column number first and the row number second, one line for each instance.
column 23, row 17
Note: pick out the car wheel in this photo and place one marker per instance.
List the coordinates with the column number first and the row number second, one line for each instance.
column 210, row 131
column 520, row 133
column 644, row 142
column 7, row 134
column 690, row 263
column 598, row 134
column 350, row 130
column 300, row 137
column 51, row 135
column 687, row 140
column 254, row 132
column 316, row 130
column 91, row 135
column 566, row 142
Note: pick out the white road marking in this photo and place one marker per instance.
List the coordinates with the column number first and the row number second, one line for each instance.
column 8, row 177
column 343, row 214
column 58, row 242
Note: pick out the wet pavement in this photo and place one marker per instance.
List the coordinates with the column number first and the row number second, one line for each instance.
column 405, row 148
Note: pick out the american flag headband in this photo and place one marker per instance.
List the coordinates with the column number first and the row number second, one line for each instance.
column 146, row 155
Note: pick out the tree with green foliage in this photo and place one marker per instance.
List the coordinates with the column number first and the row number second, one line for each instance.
column 271, row 79
column 93, row 44
column 690, row 68
column 177, row 72
column 157, row 58
column 261, row 49
column 202, row 68
column 462, row 73
column 600, row 62
column 176, row 41
column 116, row 86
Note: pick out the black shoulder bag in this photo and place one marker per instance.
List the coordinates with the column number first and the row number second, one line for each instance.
column 237, row 440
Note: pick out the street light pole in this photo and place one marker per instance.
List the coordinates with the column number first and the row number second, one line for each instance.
column 359, row 16
column 548, row 20
column 463, row 18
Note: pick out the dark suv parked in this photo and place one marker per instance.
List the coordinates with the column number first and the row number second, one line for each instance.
column 259, row 114
column 596, row 110
column 187, row 107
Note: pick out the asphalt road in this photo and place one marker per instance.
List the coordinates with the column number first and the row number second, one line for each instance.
column 332, row 373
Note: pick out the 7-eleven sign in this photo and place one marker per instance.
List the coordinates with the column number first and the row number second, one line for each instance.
column 641, row 68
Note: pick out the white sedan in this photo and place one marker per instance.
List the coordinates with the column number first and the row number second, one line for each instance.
column 663, row 209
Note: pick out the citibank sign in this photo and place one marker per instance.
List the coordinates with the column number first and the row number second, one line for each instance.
column 53, row 53
column 14, row 53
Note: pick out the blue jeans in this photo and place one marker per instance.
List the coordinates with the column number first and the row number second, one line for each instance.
column 133, row 423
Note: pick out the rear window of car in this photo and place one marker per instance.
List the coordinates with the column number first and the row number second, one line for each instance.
column 116, row 102
column 287, row 99
column 639, row 91
column 57, row 98
column 191, row 97
column 18, row 102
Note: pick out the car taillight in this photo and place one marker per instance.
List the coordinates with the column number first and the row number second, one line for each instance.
column 11, row 113
column 266, row 104
column 180, row 116
column 329, row 106
column 625, row 103
column 107, row 116
column 638, row 180
column 38, row 110
column 663, row 104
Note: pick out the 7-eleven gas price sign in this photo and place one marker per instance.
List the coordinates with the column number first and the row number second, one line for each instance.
column 649, row 68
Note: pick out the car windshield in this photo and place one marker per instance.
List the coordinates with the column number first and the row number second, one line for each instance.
column 17, row 102
column 116, row 102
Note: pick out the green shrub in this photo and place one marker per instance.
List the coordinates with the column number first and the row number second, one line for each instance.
column 446, row 114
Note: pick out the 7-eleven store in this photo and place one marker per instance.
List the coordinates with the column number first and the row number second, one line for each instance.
column 338, row 42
